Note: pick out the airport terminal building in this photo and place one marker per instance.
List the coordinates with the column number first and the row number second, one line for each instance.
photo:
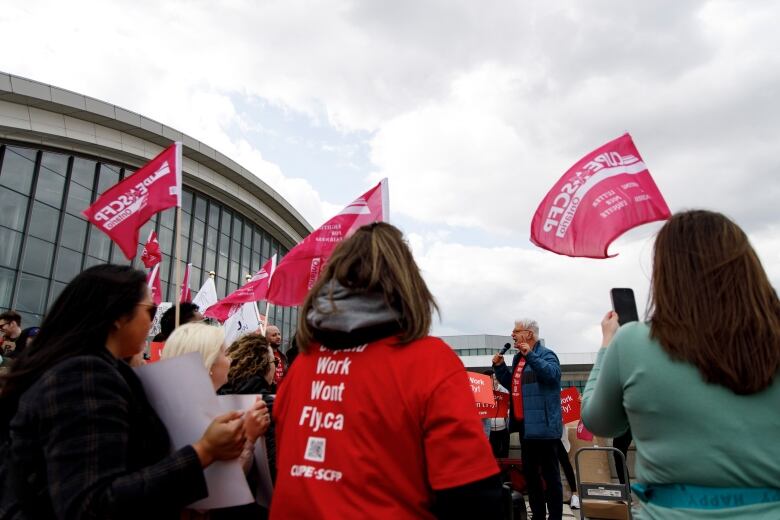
column 60, row 150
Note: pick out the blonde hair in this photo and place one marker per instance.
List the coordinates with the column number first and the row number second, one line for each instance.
column 195, row 337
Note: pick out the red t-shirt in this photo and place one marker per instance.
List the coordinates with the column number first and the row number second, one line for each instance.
column 369, row 432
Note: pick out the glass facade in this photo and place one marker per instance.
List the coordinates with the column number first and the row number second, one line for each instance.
column 45, row 241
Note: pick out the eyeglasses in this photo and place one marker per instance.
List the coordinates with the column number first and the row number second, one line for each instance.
column 151, row 308
column 518, row 331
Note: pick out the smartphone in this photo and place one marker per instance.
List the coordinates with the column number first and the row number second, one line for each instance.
column 624, row 304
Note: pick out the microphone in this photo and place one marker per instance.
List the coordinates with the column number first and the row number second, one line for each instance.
column 503, row 350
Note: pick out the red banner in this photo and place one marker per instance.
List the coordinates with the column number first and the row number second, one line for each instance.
column 482, row 386
column 606, row 193
column 498, row 410
column 570, row 405
column 301, row 267
column 254, row 290
column 124, row 208
column 151, row 255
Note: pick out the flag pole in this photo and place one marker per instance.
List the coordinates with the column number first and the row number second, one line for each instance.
column 178, row 266
column 179, row 187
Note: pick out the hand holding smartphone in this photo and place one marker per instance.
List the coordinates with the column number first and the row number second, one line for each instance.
column 624, row 304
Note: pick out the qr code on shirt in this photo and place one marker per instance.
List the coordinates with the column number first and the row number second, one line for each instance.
column 315, row 449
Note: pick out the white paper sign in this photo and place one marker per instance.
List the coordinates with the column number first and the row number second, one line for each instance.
column 180, row 391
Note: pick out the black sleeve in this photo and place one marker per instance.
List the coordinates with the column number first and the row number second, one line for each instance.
column 480, row 499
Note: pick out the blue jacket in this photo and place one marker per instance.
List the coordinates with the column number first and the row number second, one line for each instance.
column 541, row 393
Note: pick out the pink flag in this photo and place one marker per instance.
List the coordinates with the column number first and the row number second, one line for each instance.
column 606, row 193
column 151, row 254
column 153, row 282
column 254, row 290
column 186, row 295
column 124, row 208
column 301, row 267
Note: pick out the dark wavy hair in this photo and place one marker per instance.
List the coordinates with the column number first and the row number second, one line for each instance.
column 246, row 359
column 376, row 258
column 77, row 323
column 711, row 303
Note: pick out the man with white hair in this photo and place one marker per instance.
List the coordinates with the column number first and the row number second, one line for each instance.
column 535, row 412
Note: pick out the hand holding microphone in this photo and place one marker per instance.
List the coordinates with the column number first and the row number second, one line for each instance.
column 499, row 358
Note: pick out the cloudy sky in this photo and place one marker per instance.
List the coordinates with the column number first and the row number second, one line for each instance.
column 472, row 109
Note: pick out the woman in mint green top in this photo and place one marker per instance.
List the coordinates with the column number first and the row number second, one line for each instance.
column 697, row 382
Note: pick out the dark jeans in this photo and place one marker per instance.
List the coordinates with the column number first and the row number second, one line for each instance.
column 499, row 441
column 540, row 461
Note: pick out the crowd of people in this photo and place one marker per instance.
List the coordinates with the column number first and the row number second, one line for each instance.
column 368, row 416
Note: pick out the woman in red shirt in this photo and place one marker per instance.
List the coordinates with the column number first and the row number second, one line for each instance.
column 376, row 418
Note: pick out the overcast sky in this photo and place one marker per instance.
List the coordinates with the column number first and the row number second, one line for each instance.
column 472, row 109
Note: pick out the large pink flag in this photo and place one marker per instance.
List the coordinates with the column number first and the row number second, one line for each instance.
column 124, row 208
column 301, row 267
column 254, row 290
column 606, row 193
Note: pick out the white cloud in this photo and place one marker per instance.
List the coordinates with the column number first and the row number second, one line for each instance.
column 473, row 113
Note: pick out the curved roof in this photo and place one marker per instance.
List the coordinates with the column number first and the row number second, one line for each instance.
column 50, row 109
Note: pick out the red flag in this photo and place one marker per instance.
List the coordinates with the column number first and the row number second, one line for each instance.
column 151, row 254
column 124, row 208
column 301, row 267
column 186, row 295
column 606, row 193
column 254, row 290
column 153, row 282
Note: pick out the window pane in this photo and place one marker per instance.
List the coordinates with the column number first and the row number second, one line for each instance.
column 55, row 163
column 99, row 244
column 43, row 221
column 18, row 167
column 185, row 224
column 56, row 289
column 13, row 209
column 143, row 234
column 235, row 250
column 235, row 274
column 221, row 288
column 245, row 256
column 255, row 263
column 209, row 261
column 83, row 172
column 38, row 257
column 91, row 260
column 78, row 199
column 227, row 218
column 247, row 240
column 198, row 231
column 167, row 218
column 32, row 294
column 74, row 231
column 68, row 265
column 200, row 209
column 213, row 219
column 6, row 286
column 196, row 255
column 50, row 187
column 223, row 267
column 237, row 228
column 186, row 200
column 12, row 244
column 212, row 238
column 195, row 275
column 266, row 247
column 109, row 175
column 165, row 236
column 224, row 245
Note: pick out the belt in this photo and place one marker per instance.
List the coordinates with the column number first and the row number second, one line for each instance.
column 682, row 496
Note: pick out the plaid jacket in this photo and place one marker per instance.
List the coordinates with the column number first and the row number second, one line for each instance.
column 85, row 443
